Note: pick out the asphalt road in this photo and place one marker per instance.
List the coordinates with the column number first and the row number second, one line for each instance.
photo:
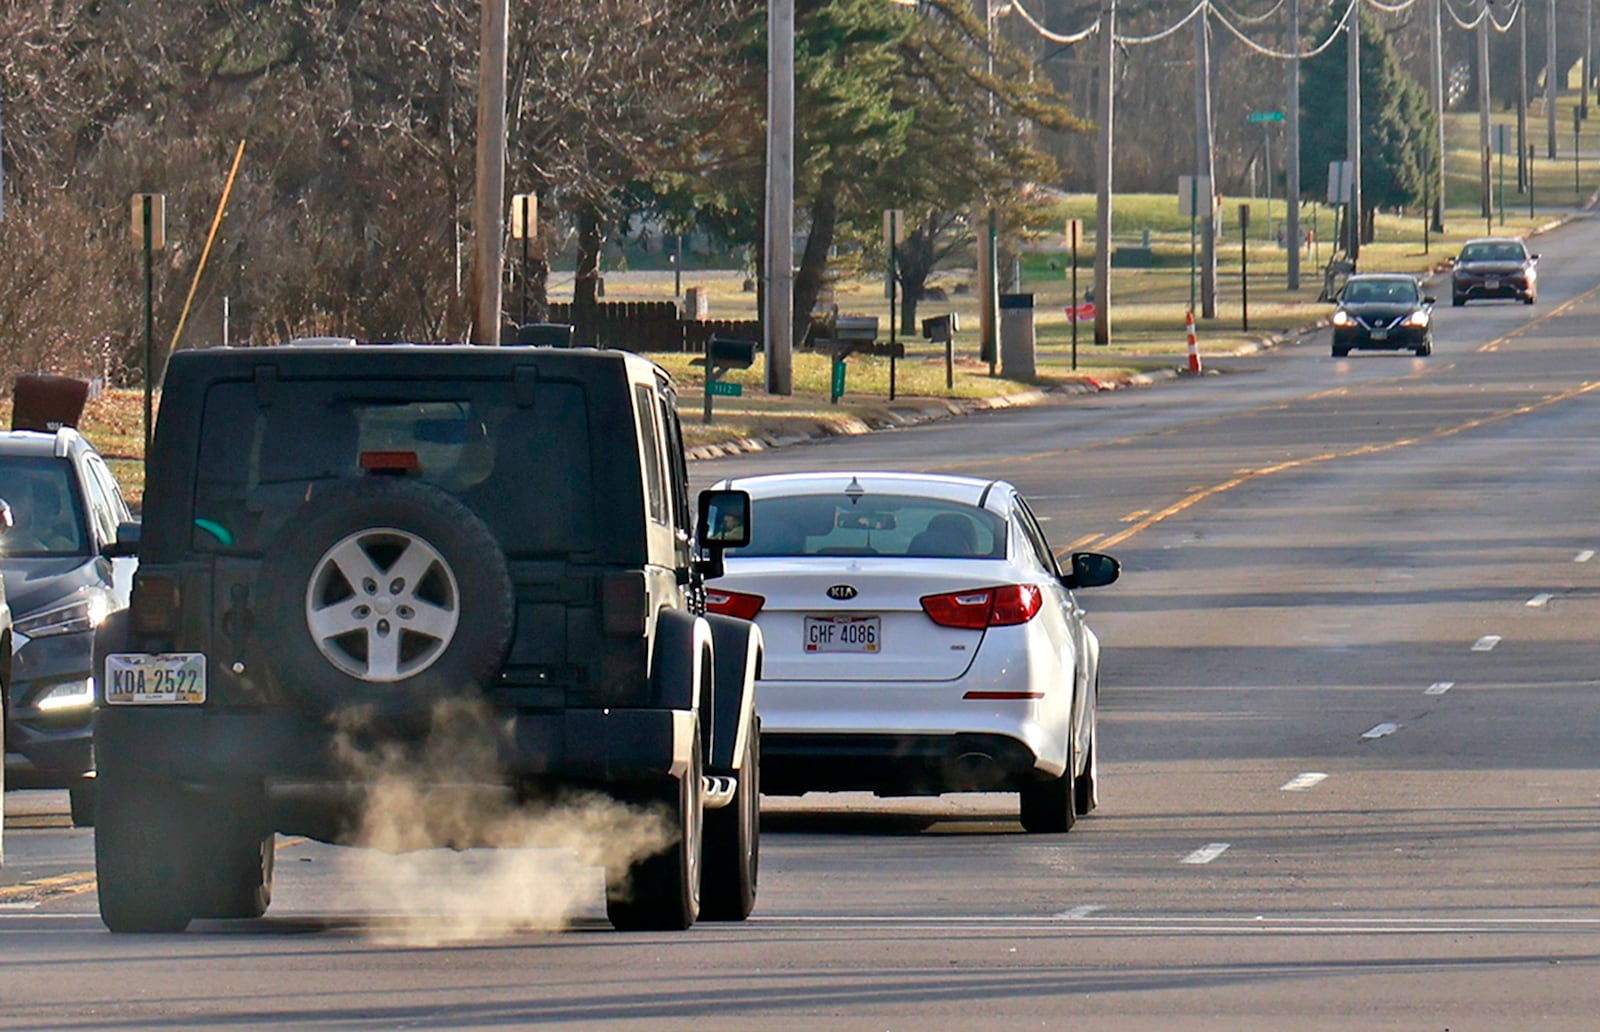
column 1349, row 721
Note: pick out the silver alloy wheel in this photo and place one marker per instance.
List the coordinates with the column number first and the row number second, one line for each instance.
column 382, row 605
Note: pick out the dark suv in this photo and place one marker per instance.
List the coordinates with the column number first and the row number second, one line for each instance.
column 472, row 570
column 66, row 507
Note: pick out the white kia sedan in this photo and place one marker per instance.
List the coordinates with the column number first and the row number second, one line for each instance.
column 921, row 638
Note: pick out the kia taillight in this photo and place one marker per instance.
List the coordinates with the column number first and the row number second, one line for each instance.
column 1003, row 606
column 734, row 603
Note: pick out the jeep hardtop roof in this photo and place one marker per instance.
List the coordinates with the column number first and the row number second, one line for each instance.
column 377, row 360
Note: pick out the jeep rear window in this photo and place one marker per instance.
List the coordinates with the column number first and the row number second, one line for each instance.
column 519, row 468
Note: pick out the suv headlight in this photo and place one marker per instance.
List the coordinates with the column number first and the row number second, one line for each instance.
column 1418, row 318
column 1342, row 318
column 70, row 695
column 82, row 614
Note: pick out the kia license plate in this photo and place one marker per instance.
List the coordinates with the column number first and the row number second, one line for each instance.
column 843, row 634
column 163, row 679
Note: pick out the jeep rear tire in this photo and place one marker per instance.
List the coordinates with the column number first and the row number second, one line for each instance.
column 733, row 841
column 661, row 892
column 386, row 595
column 144, row 847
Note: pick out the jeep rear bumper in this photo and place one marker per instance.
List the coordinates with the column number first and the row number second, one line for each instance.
column 202, row 747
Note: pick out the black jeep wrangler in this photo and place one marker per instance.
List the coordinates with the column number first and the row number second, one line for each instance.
column 347, row 546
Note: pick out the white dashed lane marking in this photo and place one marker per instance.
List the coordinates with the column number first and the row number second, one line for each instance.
column 1438, row 687
column 1301, row 782
column 1539, row 601
column 1206, row 854
column 1381, row 731
column 1584, row 556
column 1080, row 912
column 1486, row 643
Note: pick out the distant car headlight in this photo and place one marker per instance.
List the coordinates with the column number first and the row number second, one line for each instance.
column 83, row 614
column 1342, row 318
column 71, row 695
column 1418, row 318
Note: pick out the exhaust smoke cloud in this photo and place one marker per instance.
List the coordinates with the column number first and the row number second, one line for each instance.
column 530, row 864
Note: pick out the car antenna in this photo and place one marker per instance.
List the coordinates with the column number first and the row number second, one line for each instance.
column 854, row 491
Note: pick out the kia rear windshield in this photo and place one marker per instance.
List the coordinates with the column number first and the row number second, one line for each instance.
column 875, row 525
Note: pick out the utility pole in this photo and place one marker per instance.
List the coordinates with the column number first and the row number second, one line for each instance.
column 1550, row 81
column 1522, row 99
column 1436, row 40
column 489, row 225
column 1102, row 210
column 1353, row 131
column 1292, row 163
column 1203, row 168
column 779, row 259
column 1589, row 56
column 1486, row 201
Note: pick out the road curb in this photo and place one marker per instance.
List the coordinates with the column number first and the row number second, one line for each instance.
column 906, row 412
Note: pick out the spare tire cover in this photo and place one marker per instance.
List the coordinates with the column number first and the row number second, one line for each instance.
column 385, row 594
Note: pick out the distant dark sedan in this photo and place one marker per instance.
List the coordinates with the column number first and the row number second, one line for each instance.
column 1382, row 312
column 1494, row 267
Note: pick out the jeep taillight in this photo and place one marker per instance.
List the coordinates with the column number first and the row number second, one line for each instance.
column 625, row 602
column 1003, row 606
column 155, row 604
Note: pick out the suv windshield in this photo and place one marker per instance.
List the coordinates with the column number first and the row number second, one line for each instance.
column 45, row 507
column 518, row 467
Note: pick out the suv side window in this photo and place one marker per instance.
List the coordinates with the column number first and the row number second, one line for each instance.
column 650, row 444
column 101, row 518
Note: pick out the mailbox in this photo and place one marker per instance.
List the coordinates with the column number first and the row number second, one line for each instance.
column 729, row 353
column 941, row 328
column 545, row 334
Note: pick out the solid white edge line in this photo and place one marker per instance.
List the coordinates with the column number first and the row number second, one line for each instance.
column 1438, row 687
column 1206, row 854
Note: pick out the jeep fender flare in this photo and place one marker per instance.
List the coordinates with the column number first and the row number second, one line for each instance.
column 682, row 669
column 738, row 654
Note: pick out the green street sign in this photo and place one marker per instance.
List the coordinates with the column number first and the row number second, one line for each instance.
column 838, row 380
column 724, row 389
column 1266, row 116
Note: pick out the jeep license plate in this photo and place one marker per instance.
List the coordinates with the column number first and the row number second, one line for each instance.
column 843, row 634
column 143, row 679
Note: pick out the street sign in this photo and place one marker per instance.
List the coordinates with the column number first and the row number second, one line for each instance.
column 724, row 389
column 1266, row 116
column 1340, row 182
column 1194, row 196
column 838, row 380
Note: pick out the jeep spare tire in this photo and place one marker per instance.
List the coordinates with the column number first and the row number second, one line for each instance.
column 385, row 594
